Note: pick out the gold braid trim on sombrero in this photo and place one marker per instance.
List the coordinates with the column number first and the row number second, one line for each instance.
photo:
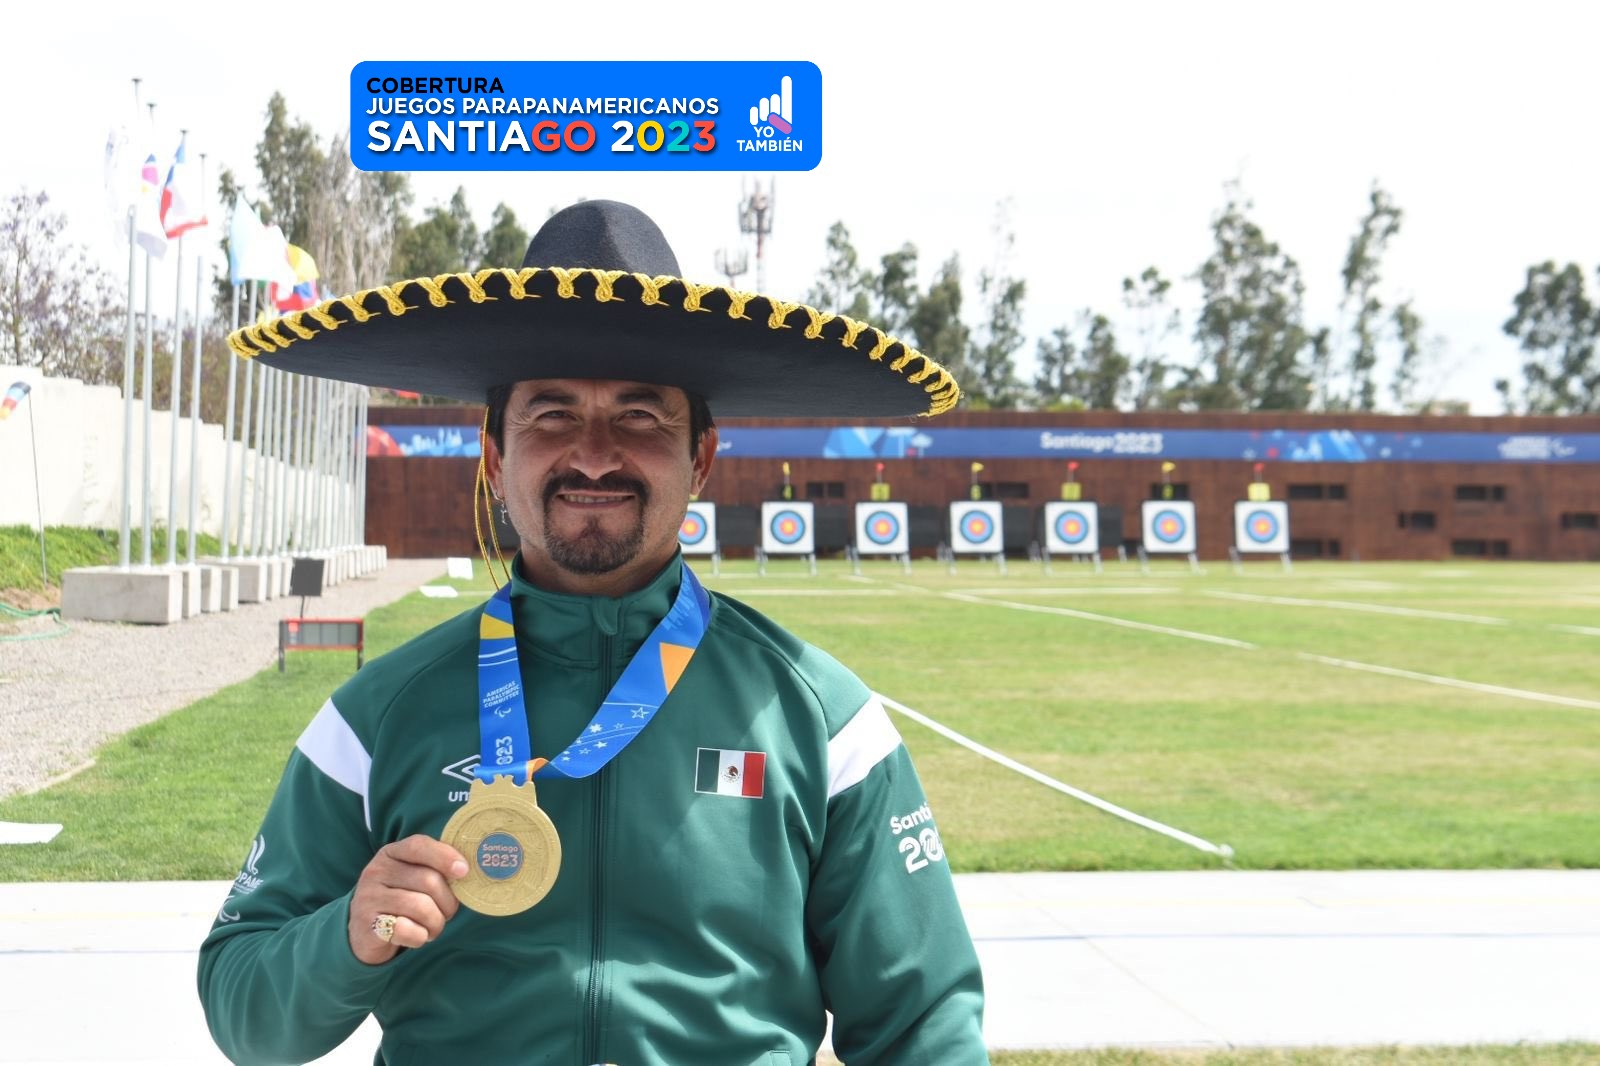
column 441, row 290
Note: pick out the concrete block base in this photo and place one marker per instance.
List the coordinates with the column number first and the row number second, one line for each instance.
column 219, row 588
column 191, row 590
column 226, row 579
column 255, row 579
column 281, row 565
column 147, row 595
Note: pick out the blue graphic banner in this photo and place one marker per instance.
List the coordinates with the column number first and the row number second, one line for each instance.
column 650, row 116
column 1275, row 445
column 912, row 442
column 435, row 441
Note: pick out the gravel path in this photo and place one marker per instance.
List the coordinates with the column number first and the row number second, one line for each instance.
column 62, row 698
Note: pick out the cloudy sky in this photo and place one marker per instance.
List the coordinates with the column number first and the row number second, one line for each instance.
column 1110, row 131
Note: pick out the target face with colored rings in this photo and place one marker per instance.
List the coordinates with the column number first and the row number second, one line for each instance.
column 1261, row 526
column 882, row 527
column 976, row 527
column 1169, row 527
column 788, row 527
column 693, row 530
column 1071, row 527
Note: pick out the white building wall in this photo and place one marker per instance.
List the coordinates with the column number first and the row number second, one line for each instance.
column 79, row 431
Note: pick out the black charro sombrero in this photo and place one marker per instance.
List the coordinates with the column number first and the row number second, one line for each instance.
column 600, row 295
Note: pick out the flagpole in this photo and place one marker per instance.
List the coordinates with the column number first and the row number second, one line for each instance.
column 149, row 358
column 123, row 546
column 149, row 346
column 38, row 501
column 227, row 437
column 258, row 524
column 177, row 399
column 194, row 382
column 245, row 451
column 258, row 461
column 363, row 397
column 303, row 473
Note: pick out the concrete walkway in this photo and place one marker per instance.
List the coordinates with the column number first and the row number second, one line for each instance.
column 1070, row 960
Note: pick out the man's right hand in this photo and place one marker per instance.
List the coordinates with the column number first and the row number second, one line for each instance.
column 409, row 879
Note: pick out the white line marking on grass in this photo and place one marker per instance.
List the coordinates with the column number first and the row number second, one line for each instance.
column 1586, row 631
column 747, row 593
column 1370, row 608
column 1179, row 835
column 1131, row 590
column 1087, row 616
column 1435, row 679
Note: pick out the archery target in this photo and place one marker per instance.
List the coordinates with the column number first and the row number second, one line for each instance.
column 1072, row 528
column 1169, row 526
column 786, row 528
column 698, row 533
column 975, row 528
column 1261, row 527
column 881, row 529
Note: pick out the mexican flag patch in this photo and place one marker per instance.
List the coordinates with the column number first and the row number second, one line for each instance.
column 720, row 772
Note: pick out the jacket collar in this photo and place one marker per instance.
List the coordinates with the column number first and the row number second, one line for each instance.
column 572, row 627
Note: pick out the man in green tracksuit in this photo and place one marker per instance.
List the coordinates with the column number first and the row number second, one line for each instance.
column 734, row 860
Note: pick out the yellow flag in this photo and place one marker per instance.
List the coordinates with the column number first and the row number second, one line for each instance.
column 976, row 467
column 1167, row 468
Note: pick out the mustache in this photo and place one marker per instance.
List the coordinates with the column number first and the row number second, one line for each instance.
column 610, row 483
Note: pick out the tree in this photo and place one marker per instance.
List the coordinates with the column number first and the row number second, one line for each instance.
column 1253, row 347
column 893, row 289
column 289, row 158
column 991, row 362
column 444, row 242
column 841, row 286
column 1105, row 366
column 1156, row 324
column 1057, row 382
column 505, row 242
column 1361, row 277
column 935, row 322
column 1408, row 368
column 1558, row 326
column 59, row 310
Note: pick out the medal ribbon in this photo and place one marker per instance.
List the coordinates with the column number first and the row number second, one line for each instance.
column 629, row 706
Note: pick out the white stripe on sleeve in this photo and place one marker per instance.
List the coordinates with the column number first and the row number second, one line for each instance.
column 333, row 747
column 865, row 741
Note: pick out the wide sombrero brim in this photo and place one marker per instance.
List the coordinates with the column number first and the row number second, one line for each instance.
column 459, row 335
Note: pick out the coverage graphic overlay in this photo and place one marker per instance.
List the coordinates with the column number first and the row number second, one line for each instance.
column 586, row 115
column 1261, row 527
column 1072, row 528
column 697, row 535
column 975, row 528
column 1168, row 526
column 881, row 529
column 786, row 528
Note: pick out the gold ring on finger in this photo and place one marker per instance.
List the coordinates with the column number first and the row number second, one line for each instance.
column 383, row 927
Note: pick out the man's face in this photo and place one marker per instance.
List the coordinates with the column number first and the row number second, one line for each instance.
column 596, row 476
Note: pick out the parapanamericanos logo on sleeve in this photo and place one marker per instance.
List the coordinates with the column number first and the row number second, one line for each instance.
column 248, row 881
column 673, row 116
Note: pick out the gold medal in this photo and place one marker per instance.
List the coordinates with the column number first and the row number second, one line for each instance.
column 511, row 848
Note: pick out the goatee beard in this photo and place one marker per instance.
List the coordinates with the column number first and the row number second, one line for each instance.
column 593, row 550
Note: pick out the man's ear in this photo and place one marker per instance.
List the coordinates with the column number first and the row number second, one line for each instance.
column 703, row 455
column 491, row 463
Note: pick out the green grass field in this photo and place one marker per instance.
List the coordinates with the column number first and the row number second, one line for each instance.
column 1293, row 762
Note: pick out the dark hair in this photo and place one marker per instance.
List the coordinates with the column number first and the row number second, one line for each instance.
column 500, row 396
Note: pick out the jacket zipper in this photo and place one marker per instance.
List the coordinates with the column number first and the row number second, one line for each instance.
column 597, row 932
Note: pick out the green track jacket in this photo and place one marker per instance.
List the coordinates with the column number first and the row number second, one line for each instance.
column 686, row 927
